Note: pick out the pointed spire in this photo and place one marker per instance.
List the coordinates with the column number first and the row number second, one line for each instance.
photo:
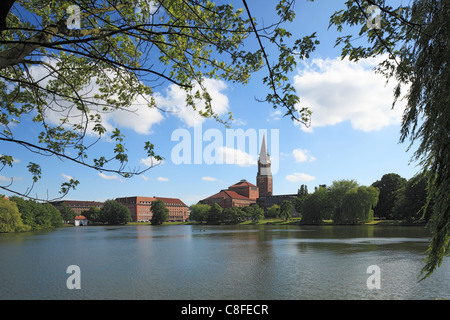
column 263, row 154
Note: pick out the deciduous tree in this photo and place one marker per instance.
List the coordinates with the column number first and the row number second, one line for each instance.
column 10, row 220
column 257, row 213
column 214, row 214
column 67, row 213
column 357, row 205
column 336, row 192
column 411, row 200
column 199, row 212
column 114, row 212
column 160, row 213
column 316, row 207
column 414, row 38
column 273, row 211
column 124, row 49
column 285, row 210
column 93, row 214
column 389, row 185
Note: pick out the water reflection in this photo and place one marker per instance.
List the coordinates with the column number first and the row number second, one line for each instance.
column 219, row 262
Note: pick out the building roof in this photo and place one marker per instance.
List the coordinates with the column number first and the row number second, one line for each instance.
column 80, row 218
column 242, row 183
column 263, row 154
column 167, row 201
column 228, row 194
column 171, row 201
column 78, row 203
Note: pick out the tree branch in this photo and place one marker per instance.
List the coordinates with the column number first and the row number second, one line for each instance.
column 50, row 152
column 5, row 7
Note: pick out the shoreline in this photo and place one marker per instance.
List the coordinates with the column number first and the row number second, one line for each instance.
column 296, row 221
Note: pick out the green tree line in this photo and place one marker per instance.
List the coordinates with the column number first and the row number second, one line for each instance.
column 17, row 215
column 346, row 202
column 114, row 212
column 215, row 214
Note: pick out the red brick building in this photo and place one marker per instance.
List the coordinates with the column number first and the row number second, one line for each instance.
column 264, row 179
column 78, row 205
column 241, row 194
column 140, row 208
column 178, row 210
column 244, row 193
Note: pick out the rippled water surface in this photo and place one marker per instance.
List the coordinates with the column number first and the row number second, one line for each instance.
column 219, row 262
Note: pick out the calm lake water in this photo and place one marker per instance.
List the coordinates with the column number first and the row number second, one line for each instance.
column 219, row 262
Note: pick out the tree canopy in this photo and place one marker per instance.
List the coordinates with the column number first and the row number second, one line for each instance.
column 415, row 40
column 411, row 200
column 316, row 207
column 37, row 215
column 199, row 212
column 10, row 218
column 357, row 205
column 389, row 184
column 68, row 63
column 285, row 209
column 159, row 212
column 114, row 212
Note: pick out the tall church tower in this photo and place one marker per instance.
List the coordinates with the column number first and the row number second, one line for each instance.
column 264, row 180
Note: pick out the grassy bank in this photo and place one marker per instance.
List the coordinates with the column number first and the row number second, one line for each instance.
column 295, row 221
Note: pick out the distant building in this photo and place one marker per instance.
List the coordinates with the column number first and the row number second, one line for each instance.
column 244, row 193
column 241, row 194
column 267, row 202
column 77, row 205
column 178, row 210
column 140, row 208
column 81, row 221
column 264, row 179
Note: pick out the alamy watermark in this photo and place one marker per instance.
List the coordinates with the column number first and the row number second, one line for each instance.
column 374, row 280
column 374, row 19
column 74, row 12
column 74, row 280
column 234, row 146
column 74, row 19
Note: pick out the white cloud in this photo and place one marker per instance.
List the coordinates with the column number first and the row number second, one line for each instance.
column 107, row 177
column 3, row 178
column 338, row 90
column 138, row 116
column 235, row 156
column 66, row 177
column 299, row 177
column 151, row 161
column 302, row 155
column 209, row 179
column 162, row 179
column 6, row 179
column 239, row 122
column 175, row 101
column 276, row 115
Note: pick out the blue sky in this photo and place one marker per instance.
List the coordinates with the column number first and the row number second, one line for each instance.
column 354, row 132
